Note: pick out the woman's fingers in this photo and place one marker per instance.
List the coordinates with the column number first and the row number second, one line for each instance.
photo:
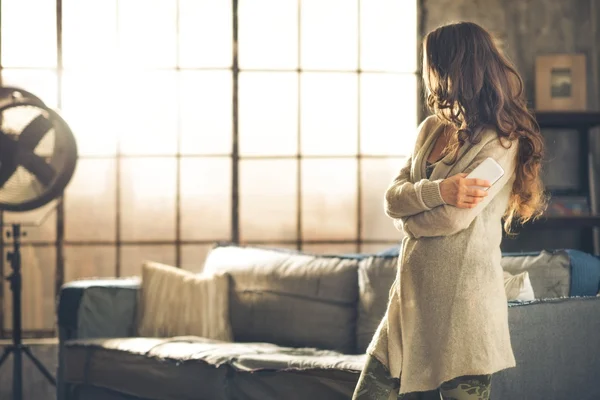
column 471, row 197
column 477, row 182
column 462, row 192
column 475, row 192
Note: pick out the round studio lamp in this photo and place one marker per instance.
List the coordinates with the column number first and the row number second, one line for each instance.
column 38, row 154
column 9, row 94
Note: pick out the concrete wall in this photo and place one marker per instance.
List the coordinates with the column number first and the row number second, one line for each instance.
column 528, row 28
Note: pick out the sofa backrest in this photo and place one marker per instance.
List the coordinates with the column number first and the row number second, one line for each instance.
column 288, row 298
column 336, row 302
column 556, row 347
column 376, row 275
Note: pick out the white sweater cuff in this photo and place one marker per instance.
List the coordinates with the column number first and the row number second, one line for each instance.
column 431, row 194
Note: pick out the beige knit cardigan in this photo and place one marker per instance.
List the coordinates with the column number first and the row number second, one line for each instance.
column 447, row 314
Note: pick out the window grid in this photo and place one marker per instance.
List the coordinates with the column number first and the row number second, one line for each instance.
column 235, row 157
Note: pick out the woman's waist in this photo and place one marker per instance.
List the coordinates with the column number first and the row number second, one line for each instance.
column 484, row 248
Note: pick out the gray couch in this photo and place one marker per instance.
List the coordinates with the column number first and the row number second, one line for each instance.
column 301, row 325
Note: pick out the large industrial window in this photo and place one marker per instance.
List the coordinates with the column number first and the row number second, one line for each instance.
column 271, row 122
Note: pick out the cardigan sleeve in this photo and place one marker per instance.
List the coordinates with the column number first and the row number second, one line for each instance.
column 404, row 198
column 447, row 219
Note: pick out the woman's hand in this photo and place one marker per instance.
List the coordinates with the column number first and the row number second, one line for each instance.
column 460, row 192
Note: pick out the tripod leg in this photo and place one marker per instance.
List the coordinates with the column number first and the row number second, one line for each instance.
column 39, row 366
column 5, row 354
column 17, row 374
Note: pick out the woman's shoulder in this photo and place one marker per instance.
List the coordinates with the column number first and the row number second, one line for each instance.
column 430, row 123
column 427, row 127
column 493, row 144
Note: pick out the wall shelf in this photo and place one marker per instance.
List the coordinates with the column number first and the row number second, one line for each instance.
column 568, row 120
column 580, row 123
column 566, row 222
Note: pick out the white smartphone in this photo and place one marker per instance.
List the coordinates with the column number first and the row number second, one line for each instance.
column 489, row 170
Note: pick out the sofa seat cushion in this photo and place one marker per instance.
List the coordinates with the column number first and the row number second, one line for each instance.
column 198, row 368
column 151, row 368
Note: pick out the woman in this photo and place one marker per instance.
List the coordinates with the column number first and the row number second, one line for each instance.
column 446, row 326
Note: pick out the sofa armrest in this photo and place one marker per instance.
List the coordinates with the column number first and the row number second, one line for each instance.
column 94, row 308
column 97, row 308
column 556, row 346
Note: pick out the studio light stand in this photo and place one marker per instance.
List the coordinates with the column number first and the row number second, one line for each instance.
column 38, row 155
column 18, row 349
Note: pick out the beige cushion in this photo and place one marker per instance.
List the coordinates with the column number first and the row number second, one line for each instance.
column 518, row 287
column 175, row 302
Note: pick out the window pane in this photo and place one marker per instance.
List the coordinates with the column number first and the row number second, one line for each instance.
column 376, row 176
column 132, row 257
column 89, row 33
column 268, row 200
column 329, row 108
column 22, row 47
column 42, row 83
column 148, row 34
column 329, row 195
column 148, row 198
column 206, row 198
column 93, row 187
column 90, row 107
column 329, row 34
column 268, row 113
column 388, row 119
column 330, row 248
column 40, row 223
column 206, row 111
column 148, row 113
column 84, row 262
column 388, row 31
column 193, row 256
column 268, row 34
column 205, row 33
column 38, row 299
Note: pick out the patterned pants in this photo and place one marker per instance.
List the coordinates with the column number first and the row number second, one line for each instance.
column 375, row 383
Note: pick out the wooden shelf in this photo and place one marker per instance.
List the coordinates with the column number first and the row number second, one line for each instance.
column 568, row 120
column 565, row 222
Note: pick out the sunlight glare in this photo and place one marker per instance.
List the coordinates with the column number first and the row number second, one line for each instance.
column 28, row 33
column 148, row 34
column 268, row 34
column 388, row 35
column 205, row 112
column 388, row 119
column 329, row 113
column 205, row 34
column 268, row 113
column 89, row 105
column 89, row 36
column 329, row 34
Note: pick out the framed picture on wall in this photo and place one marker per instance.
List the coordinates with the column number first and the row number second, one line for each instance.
column 560, row 82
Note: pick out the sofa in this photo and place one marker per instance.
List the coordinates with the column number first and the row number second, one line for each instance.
column 301, row 324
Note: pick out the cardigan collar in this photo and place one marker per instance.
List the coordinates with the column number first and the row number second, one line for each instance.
column 442, row 170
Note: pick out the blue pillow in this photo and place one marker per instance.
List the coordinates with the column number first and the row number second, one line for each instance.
column 585, row 273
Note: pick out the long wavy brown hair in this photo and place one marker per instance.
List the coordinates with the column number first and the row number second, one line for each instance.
column 471, row 85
